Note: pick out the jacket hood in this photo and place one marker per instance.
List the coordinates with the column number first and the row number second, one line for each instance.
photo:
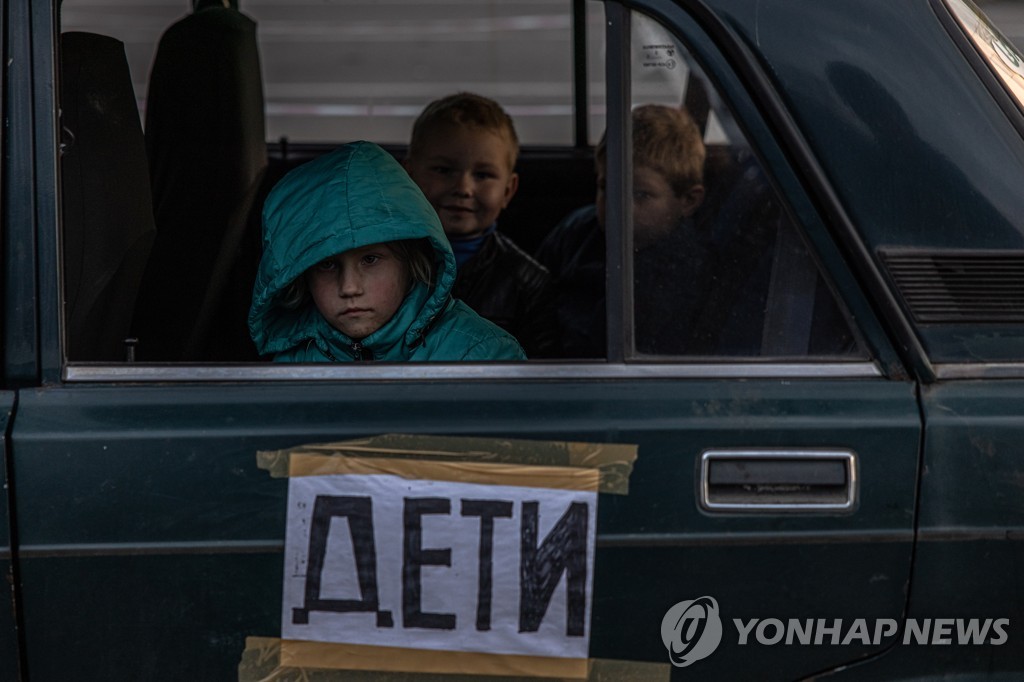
column 355, row 196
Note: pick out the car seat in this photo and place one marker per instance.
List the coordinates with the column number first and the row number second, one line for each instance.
column 768, row 298
column 107, row 212
column 205, row 136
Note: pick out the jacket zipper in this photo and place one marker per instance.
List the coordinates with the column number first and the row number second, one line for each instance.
column 361, row 354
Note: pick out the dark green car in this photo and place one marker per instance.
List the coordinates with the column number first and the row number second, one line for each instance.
column 839, row 468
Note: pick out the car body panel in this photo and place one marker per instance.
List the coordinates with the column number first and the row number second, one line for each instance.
column 8, row 633
column 907, row 178
column 167, row 501
column 971, row 525
column 970, row 541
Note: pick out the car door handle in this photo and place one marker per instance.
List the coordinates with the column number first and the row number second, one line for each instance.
column 778, row 481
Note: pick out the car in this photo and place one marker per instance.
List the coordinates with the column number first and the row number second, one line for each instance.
column 828, row 486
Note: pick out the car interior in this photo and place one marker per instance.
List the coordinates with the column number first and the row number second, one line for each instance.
column 161, row 221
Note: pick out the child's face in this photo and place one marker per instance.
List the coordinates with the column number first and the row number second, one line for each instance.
column 657, row 209
column 465, row 175
column 358, row 291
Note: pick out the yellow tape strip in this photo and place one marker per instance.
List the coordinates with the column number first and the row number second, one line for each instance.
column 268, row 659
column 613, row 461
column 299, row 654
column 485, row 473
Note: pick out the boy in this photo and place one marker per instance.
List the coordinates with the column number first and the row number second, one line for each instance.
column 670, row 264
column 462, row 155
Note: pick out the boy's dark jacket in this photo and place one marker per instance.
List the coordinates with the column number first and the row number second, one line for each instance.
column 511, row 289
column 671, row 281
column 355, row 196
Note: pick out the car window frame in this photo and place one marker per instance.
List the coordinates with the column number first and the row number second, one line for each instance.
column 880, row 361
column 619, row 227
column 32, row 300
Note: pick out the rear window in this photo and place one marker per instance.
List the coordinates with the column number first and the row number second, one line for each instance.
column 364, row 70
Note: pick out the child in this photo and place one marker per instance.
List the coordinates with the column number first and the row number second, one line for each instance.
column 670, row 264
column 356, row 267
column 462, row 155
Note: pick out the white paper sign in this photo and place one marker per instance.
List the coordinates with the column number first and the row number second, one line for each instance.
column 385, row 561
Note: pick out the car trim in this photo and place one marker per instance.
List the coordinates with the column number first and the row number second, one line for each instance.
column 59, row 550
column 436, row 371
column 631, row 540
column 989, row 370
column 941, row 534
column 604, row 541
column 610, row 541
column 618, row 221
column 970, row 534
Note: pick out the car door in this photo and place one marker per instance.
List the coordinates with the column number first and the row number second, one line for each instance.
column 17, row 317
column 779, row 482
column 8, row 631
column 776, row 568
column 961, row 282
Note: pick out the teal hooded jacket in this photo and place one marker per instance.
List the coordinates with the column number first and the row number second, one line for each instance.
column 356, row 196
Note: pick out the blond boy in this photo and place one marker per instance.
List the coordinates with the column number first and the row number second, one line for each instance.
column 462, row 155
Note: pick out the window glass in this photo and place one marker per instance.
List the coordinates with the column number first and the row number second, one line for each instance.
column 356, row 70
column 718, row 266
column 198, row 94
column 595, row 70
column 162, row 236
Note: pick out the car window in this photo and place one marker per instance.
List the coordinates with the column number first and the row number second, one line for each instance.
column 718, row 267
column 212, row 86
column 162, row 233
column 344, row 71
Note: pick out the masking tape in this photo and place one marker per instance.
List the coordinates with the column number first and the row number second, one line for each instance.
column 484, row 473
column 612, row 461
column 268, row 659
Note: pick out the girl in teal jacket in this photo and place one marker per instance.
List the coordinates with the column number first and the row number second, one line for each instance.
column 356, row 266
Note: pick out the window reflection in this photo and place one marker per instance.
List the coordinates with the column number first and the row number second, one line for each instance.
column 719, row 268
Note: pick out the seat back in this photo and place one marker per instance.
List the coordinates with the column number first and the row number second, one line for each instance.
column 107, row 208
column 205, row 136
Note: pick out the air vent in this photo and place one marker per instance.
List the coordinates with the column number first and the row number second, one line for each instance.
column 953, row 287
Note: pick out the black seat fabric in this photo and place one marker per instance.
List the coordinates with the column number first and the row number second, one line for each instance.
column 107, row 208
column 767, row 297
column 205, row 136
